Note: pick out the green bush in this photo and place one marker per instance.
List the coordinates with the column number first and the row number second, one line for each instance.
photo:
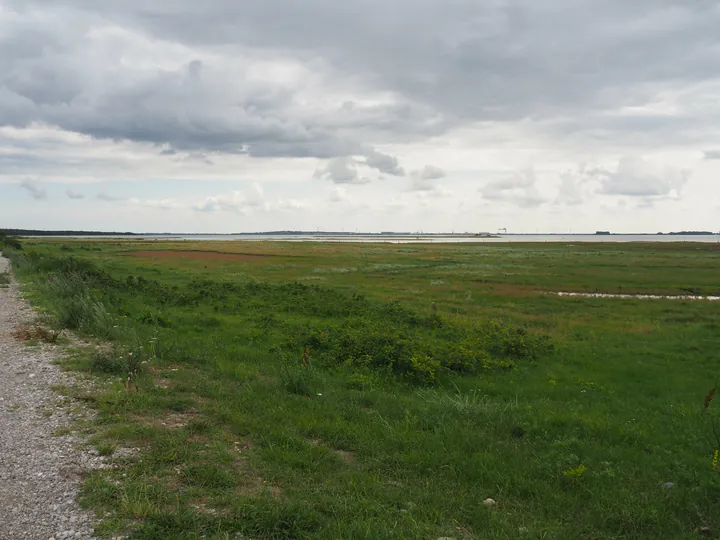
column 339, row 329
column 418, row 354
column 10, row 242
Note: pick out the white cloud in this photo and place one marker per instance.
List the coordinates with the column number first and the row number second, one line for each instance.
column 160, row 204
column 34, row 188
column 384, row 163
column 424, row 179
column 338, row 194
column 107, row 197
column 342, row 170
column 518, row 188
column 637, row 177
column 572, row 190
column 244, row 202
column 429, row 172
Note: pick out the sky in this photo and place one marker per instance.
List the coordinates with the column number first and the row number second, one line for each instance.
column 402, row 115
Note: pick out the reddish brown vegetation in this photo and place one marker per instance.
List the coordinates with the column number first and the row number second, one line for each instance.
column 196, row 255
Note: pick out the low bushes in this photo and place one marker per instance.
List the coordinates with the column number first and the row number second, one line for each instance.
column 418, row 354
column 10, row 242
column 338, row 329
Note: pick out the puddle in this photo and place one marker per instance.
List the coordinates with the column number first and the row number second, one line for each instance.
column 638, row 296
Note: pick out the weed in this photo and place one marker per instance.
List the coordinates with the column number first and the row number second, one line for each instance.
column 298, row 380
column 74, row 306
column 465, row 402
column 574, row 473
column 118, row 361
column 105, row 448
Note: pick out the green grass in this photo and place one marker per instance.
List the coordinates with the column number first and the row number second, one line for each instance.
column 391, row 397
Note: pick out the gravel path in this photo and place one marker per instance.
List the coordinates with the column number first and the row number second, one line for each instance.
column 39, row 473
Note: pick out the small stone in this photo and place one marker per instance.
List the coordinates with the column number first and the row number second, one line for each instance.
column 489, row 502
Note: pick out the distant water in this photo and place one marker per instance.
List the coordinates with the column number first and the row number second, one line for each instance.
column 639, row 296
column 425, row 239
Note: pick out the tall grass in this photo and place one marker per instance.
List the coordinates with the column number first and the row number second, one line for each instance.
column 68, row 287
column 75, row 307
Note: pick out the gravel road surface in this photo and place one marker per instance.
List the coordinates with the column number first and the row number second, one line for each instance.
column 40, row 472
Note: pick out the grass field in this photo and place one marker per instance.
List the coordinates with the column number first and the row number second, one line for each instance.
column 309, row 390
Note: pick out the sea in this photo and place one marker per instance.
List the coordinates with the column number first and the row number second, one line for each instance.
column 422, row 238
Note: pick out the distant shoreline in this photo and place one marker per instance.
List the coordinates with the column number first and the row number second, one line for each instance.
column 69, row 233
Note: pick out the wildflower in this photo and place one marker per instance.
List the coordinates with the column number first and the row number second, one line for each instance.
column 306, row 357
column 575, row 472
column 715, row 460
column 709, row 398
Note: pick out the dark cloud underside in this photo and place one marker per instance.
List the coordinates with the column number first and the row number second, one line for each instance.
column 236, row 76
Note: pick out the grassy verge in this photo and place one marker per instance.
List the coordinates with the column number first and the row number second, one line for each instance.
column 281, row 409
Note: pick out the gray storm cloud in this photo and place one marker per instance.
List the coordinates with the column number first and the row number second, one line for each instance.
column 352, row 86
column 229, row 76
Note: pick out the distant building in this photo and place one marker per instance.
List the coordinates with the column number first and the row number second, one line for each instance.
column 602, row 232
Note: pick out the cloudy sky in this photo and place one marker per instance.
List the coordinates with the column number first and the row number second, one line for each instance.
column 434, row 115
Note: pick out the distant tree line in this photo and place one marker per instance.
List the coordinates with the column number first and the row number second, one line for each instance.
column 703, row 233
column 34, row 232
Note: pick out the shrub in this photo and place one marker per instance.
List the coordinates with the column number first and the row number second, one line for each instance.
column 345, row 329
column 10, row 242
column 419, row 354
